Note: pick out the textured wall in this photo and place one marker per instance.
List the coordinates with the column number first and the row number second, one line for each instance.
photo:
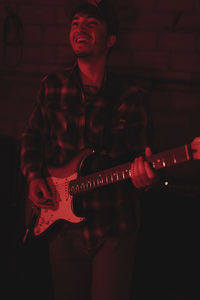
column 157, row 37
column 158, row 47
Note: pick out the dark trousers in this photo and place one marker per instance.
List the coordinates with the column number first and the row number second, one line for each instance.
column 77, row 275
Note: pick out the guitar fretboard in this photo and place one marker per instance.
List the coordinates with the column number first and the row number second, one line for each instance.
column 170, row 157
column 122, row 172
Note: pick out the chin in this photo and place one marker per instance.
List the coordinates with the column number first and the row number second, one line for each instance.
column 82, row 54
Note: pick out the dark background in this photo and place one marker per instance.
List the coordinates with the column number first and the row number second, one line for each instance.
column 159, row 48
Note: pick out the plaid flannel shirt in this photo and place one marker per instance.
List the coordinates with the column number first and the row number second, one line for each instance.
column 66, row 119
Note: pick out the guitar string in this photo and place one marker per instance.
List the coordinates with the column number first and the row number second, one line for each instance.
column 167, row 155
column 89, row 179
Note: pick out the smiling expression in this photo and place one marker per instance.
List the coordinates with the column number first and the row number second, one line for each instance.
column 88, row 36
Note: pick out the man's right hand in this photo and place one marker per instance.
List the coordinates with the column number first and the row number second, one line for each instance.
column 41, row 195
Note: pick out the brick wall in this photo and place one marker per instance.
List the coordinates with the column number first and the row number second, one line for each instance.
column 158, row 46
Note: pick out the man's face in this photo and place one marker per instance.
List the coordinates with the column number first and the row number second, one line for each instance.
column 88, row 36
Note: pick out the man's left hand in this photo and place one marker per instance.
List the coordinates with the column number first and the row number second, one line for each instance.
column 142, row 174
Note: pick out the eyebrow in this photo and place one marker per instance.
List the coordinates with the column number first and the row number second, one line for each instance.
column 76, row 17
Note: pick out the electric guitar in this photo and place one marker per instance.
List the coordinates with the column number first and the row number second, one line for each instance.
column 65, row 182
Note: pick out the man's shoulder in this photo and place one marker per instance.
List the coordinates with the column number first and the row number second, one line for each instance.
column 126, row 84
column 132, row 91
column 58, row 77
column 131, row 87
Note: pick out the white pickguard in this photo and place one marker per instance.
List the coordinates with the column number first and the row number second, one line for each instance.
column 65, row 206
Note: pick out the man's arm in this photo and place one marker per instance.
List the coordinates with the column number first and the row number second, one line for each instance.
column 141, row 172
column 32, row 155
column 32, row 142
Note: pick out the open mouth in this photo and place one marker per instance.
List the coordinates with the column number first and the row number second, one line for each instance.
column 82, row 39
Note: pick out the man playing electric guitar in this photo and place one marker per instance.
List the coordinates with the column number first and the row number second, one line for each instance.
column 88, row 107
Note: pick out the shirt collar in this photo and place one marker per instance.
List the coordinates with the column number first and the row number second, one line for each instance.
column 75, row 74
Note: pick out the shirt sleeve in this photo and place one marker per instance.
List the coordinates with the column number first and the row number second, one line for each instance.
column 32, row 142
column 138, row 126
column 147, row 130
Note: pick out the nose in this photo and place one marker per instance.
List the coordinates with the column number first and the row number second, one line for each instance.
column 81, row 27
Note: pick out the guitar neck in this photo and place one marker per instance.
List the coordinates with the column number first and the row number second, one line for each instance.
column 123, row 172
column 170, row 157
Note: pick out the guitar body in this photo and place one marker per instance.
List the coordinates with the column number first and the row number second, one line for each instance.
column 58, row 180
column 88, row 171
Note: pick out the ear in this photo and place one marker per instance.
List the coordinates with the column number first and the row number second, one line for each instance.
column 111, row 41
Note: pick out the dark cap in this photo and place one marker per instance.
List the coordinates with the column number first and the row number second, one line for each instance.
column 103, row 10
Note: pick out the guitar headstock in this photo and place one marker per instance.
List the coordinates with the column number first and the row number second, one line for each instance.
column 195, row 147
